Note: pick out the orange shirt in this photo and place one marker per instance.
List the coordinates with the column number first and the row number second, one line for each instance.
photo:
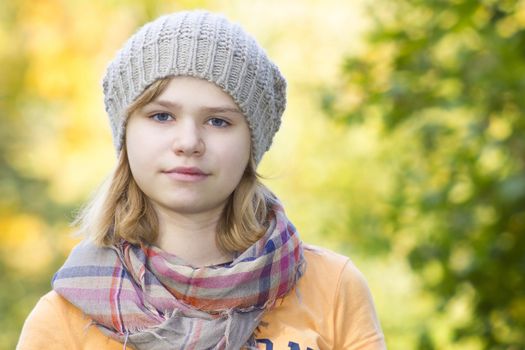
column 330, row 308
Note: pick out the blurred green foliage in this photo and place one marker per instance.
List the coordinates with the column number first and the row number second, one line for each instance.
column 445, row 82
column 18, row 190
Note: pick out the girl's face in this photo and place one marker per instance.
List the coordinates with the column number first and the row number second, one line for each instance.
column 189, row 147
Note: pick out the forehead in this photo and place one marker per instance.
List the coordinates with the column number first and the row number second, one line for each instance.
column 185, row 90
column 170, row 91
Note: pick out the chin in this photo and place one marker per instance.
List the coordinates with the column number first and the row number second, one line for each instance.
column 193, row 206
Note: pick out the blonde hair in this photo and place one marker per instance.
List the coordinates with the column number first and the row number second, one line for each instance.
column 120, row 210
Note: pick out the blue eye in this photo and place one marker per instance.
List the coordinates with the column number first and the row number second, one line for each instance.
column 162, row 117
column 218, row 122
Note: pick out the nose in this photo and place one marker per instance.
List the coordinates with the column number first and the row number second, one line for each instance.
column 188, row 139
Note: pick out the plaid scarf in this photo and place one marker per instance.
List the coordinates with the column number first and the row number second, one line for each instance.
column 149, row 299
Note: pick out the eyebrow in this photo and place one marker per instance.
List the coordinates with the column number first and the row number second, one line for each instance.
column 215, row 109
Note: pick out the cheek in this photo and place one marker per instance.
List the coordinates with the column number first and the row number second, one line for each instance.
column 240, row 151
column 238, row 160
column 135, row 153
column 143, row 140
column 140, row 150
column 137, row 167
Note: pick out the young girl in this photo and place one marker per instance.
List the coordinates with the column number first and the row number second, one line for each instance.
column 185, row 248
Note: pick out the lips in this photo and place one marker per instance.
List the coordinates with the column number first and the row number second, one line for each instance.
column 186, row 174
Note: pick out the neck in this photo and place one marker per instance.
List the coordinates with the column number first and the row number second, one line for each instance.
column 191, row 237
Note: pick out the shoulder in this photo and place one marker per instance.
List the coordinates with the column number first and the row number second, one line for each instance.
column 321, row 277
column 51, row 309
column 55, row 323
column 53, row 300
column 351, row 308
column 329, row 268
column 330, row 308
column 54, row 305
column 334, row 278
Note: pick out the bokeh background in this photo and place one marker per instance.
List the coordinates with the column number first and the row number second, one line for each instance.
column 403, row 146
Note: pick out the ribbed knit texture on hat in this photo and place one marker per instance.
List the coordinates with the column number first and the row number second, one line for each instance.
column 202, row 45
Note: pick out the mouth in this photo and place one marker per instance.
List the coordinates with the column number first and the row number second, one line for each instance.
column 186, row 174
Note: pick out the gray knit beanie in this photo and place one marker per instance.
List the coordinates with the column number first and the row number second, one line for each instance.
column 202, row 45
